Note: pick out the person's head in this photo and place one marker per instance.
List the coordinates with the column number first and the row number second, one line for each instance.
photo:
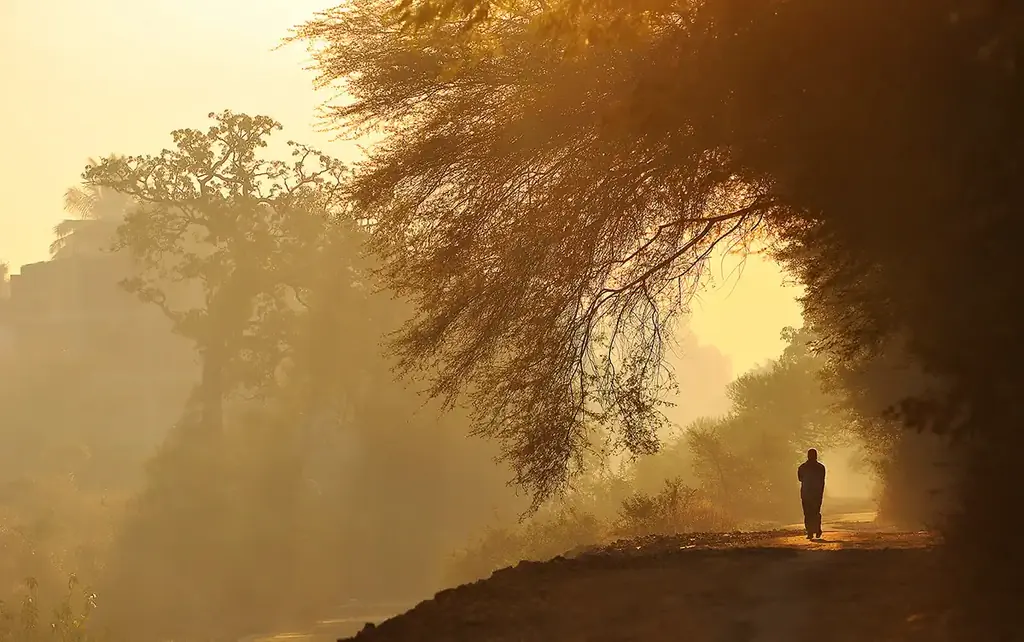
column 812, row 455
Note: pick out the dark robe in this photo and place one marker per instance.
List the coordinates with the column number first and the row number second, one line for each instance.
column 812, row 488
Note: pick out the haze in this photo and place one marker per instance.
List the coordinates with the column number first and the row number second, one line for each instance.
column 91, row 424
column 185, row 59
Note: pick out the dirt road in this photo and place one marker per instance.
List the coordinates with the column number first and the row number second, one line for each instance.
column 857, row 583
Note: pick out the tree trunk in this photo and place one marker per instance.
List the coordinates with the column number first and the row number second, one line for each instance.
column 212, row 389
column 228, row 311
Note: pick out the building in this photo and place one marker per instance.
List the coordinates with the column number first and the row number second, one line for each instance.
column 6, row 331
column 63, row 303
column 76, row 305
column 70, row 317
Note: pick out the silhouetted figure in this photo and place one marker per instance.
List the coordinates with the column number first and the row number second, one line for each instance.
column 811, row 474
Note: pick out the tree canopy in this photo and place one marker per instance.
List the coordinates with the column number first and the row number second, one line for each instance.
column 549, row 205
column 547, row 243
column 298, row 447
column 214, row 222
column 551, row 213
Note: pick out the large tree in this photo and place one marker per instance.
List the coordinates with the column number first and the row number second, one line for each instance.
column 214, row 219
column 299, row 420
column 551, row 212
column 537, row 200
column 547, row 240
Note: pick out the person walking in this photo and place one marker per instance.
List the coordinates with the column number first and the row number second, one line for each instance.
column 811, row 474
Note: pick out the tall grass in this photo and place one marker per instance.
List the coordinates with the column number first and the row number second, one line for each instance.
column 66, row 620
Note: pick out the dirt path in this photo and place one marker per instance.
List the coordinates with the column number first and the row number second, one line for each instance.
column 778, row 602
column 780, row 597
column 858, row 583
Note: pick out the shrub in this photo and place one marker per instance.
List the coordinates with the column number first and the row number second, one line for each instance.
column 560, row 528
column 676, row 508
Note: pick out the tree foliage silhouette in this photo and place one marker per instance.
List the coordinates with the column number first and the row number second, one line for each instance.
column 100, row 210
column 213, row 219
column 547, row 247
column 546, row 200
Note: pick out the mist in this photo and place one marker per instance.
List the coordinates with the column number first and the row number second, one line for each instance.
column 379, row 502
column 195, row 469
column 101, row 481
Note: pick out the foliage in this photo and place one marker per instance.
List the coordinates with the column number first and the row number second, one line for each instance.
column 300, row 450
column 715, row 474
column 916, row 470
column 883, row 138
column 76, row 425
column 69, row 621
column 554, row 239
column 674, row 460
column 574, row 24
column 320, row 511
column 675, row 509
column 52, row 528
column 744, row 461
column 569, row 524
column 215, row 220
column 99, row 210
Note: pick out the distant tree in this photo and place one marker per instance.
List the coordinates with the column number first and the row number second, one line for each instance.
column 311, row 428
column 99, row 210
column 324, row 438
column 788, row 398
column 744, row 460
column 213, row 217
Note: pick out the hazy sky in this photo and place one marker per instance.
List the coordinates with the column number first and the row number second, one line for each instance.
column 81, row 79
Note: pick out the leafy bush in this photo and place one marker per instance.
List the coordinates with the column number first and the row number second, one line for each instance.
column 675, row 509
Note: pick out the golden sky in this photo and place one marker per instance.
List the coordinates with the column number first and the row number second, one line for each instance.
column 81, row 79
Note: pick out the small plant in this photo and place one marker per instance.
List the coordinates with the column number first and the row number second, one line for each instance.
column 69, row 619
